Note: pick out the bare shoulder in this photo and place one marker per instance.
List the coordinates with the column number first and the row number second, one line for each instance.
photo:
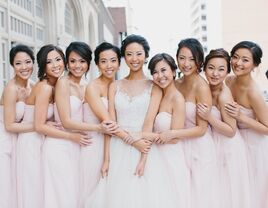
column 201, row 85
column 177, row 98
column 254, row 92
column 225, row 95
column 43, row 86
column 92, row 85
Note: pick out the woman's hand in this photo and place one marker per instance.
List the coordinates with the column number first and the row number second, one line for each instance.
column 233, row 110
column 203, row 111
column 83, row 139
column 142, row 145
column 140, row 168
column 164, row 137
column 108, row 127
column 105, row 168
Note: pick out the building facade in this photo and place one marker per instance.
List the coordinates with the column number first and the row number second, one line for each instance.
column 39, row 22
column 223, row 23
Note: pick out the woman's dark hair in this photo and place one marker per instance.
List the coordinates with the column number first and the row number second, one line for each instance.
column 159, row 57
column 196, row 48
column 80, row 48
column 20, row 48
column 42, row 59
column 135, row 39
column 254, row 48
column 104, row 47
column 218, row 53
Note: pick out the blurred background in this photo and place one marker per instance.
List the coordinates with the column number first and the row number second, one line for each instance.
column 215, row 23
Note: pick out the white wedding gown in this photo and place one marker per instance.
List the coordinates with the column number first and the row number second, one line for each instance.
column 122, row 188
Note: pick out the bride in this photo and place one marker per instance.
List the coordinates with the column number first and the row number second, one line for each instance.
column 133, row 103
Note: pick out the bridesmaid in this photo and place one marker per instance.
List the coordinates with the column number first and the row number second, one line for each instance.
column 171, row 115
column 62, row 155
column 250, row 111
column 198, row 144
column 232, row 161
column 38, row 110
column 11, row 113
column 107, row 58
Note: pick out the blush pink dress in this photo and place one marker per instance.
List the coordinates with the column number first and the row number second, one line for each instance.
column 91, row 157
column 8, row 160
column 29, row 172
column 200, row 154
column 257, row 152
column 174, row 160
column 61, row 165
column 233, row 168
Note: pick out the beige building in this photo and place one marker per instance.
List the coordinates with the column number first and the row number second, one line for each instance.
column 38, row 22
column 223, row 23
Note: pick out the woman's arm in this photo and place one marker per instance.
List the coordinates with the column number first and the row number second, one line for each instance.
column 62, row 98
column 10, row 99
column 177, row 120
column 226, row 126
column 260, row 109
column 43, row 95
column 203, row 95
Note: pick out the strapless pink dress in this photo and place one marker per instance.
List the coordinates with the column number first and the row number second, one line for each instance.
column 257, row 152
column 91, row 157
column 8, row 141
column 29, row 172
column 233, row 168
column 200, row 154
column 175, row 163
column 61, row 165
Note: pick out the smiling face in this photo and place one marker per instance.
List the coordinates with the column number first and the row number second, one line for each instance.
column 77, row 65
column 163, row 74
column 23, row 65
column 108, row 63
column 186, row 62
column 242, row 62
column 216, row 70
column 54, row 64
column 135, row 56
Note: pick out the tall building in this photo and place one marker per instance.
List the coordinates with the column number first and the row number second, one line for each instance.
column 223, row 23
column 38, row 22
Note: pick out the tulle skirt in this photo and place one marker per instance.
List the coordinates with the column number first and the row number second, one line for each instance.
column 123, row 189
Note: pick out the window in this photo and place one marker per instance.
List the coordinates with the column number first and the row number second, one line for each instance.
column 205, row 49
column 4, row 64
column 2, row 19
column 39, row 8
column 68, row 19
column 204, row 17
column 25, row 4
column 204, row 28
column 203, row 6
column 204, row 38
column 21, row 27
column 40, row 34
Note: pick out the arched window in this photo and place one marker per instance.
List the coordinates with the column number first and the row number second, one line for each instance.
column 68, row 16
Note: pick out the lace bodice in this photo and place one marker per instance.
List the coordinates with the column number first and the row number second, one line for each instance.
column 19, row 111
column 131, row 110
